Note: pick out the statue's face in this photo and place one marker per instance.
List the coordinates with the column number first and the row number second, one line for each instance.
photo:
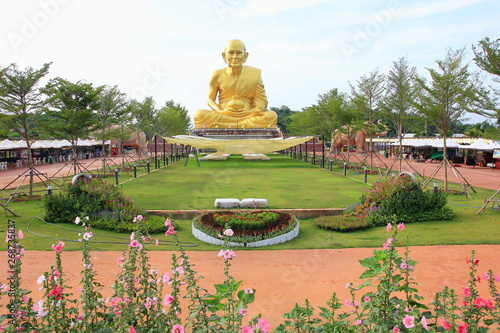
column 234, row 54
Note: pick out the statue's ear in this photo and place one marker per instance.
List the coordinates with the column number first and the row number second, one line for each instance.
column 245, row 57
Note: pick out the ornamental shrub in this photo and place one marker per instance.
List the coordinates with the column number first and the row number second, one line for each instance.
column 341, row 223
column 104, row 204
column 400, row 200
column 246, row 221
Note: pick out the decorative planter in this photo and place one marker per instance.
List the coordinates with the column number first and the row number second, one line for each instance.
column 200, row 235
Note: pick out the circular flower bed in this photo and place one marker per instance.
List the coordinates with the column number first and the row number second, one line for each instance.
column 250, row 229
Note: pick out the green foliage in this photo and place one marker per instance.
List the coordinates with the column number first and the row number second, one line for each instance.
column 341, row 223
column 400, row 200
column 246, row 221
column 103, row 204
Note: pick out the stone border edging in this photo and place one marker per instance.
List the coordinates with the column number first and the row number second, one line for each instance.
column 200, row 235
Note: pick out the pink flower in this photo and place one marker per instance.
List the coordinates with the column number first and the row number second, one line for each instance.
column 423, row 321
column 20, row 234
column 168, row 299
column 166, row 277
column 179, row 270
column 132, row 236
column 168, row 222
column 249, row 291
column 139, row 217
column 348, row 302
column 134, row 243
column 157, row 243
column 462, row 328
column 131, row 329
column 401, row 226
column 228, row 232
column 243, row 312
column 120, row 260
column 467, row 292
column 170, row 231
column 3, row 288
column 59, row 247
column 262, row 326
column 358, row 322
column 56, row 293
column 178, row 329
column 227, row 254
column 396, row 329
column 388, row 227
column 446, row 325
column 367, row 299
column 409, row 321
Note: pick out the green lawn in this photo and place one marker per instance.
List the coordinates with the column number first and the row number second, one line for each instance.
column 286, row 183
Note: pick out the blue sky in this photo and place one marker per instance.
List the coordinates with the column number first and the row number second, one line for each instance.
column 168, row 49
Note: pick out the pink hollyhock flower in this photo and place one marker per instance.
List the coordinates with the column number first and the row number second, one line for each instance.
column 59, row 247
column 170, row 230
column 262, row 326
column 134, row 243
column 228, row 232
column 139, row 217
column 401, row 226
column 3, row 288
column 388, row 227
column 409, row 321
column 395, row 329
column 249, row 291
column 168, row 222
column 367, row 299
column 446, row 325
column 166, row 277
column 179, row 270
column 178, row 329
column 131, row 329
column 462, row 328
column 77, row 220
column 120, row 260
column 20, row 234
column 157, row 242
column 358, row 322
column 423, row 321
column 132, row 236
column 243, row 312
column 467, row 292
column 87, row 235
column 56, row 293
column 168, row 299
column 348, row 302
column 478, row 302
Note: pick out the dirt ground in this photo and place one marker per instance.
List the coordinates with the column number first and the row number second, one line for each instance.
column 281, row 278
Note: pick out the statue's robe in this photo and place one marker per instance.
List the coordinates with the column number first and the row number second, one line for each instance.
column 250, row 89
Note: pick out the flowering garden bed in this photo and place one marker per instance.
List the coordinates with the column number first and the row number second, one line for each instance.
column 254, row 229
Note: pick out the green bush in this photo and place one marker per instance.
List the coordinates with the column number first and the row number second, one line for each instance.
column 103, row 203
column 341, row 223
column 411, row 203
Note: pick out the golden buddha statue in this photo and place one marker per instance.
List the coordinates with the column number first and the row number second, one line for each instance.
column 240, row 93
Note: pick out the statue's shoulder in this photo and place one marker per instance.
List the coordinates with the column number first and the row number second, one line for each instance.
column 251, row 70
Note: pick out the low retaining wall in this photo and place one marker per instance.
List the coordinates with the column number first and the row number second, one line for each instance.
column 200, row 235
column 298, row 213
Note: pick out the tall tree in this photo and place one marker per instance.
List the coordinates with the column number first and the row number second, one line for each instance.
column 284, row 113
column 145, row 115
column 112, row 105
column 21, row 103
column 488, row 59
column 397, row 104
column 173, row 119
column 366, row 97
column 452, row 91
column 70, row 111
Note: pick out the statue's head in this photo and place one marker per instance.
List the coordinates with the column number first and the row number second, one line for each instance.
column 235, row 53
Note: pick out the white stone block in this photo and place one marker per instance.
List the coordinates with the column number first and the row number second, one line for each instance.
column 227, row 203
column 253, row 203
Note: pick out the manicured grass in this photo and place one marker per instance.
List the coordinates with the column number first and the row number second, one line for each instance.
column 286, row 183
